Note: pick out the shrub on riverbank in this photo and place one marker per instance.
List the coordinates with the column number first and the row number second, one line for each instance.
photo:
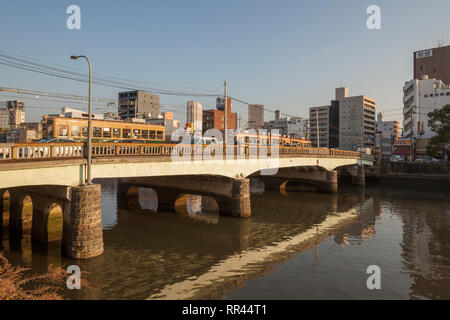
column 16, row 284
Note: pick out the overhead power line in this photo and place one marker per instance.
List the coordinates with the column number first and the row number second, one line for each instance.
column 45, row 68
column 52, row 94
column 78, row 70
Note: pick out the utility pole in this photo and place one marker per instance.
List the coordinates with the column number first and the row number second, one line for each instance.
column 317, row 126
column 89, row 144
column 413, row 155
column 225, row 131
column 362, row 135
column 361, row 147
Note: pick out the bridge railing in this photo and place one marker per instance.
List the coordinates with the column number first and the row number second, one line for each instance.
column 41, row 151
column 114, row 149
column 52, row 151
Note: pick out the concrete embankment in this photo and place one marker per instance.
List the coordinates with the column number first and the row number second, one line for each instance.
column 413, row 171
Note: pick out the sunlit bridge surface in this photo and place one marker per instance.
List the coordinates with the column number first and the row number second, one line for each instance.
column 296, row 245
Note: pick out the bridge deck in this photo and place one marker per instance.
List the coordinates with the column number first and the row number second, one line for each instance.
column 65, row 163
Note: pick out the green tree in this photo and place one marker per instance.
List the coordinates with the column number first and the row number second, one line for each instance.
column 439, row 122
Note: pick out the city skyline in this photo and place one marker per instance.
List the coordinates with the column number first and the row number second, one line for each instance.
column 274, row 60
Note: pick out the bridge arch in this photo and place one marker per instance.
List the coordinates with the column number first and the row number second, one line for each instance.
column 192, row 204
column 53, row 223
column 21, row 209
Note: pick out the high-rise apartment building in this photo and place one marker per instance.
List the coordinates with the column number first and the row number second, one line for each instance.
column 357, row 124
column 346, row 123
column 433, row 62
column 319, row 118
column 138, row 104
column 324, row 122
column 255, row 116
column 194, row 115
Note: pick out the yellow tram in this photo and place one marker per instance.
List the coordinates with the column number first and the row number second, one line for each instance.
column 282, row 141
column 102, row 130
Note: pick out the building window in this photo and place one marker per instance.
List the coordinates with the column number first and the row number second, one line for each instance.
column 97, row 132
column 125, row 133
column 425, row 95
column 75, row 131
column 106, row 132
column 62, row 130
column 116, row 132
column 431, row 94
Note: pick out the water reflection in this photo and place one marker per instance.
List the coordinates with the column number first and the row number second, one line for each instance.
column 295, row 245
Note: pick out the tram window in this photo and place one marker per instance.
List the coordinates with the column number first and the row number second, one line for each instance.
column 62, row 130
column 106, row 132
column 116, row 132
column 75, row 131
column 159, row 135
column 152, row 134
column 144, row 134
column 97, row 132
column 136, row 133
column 125, row 133
column 84, row 131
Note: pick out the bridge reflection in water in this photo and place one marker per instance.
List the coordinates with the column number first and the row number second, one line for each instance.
column 196, row 253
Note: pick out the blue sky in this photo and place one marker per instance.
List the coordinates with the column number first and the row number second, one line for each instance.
column 286, row 54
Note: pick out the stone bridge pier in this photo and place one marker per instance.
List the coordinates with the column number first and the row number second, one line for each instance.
column 78, row 225
column 302, row 178
column 231, row 194
column 358, row 175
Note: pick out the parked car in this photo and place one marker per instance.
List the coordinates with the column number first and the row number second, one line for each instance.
column 397, row 158
column 431, row 160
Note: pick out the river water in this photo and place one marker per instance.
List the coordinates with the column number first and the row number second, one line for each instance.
column 296, row 245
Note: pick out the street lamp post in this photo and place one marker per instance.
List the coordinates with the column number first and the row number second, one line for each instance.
column 89, row 146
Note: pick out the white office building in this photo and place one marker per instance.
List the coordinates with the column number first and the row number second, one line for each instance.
column 419, row 98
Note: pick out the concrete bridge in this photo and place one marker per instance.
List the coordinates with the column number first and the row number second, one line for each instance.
column 58, row 171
